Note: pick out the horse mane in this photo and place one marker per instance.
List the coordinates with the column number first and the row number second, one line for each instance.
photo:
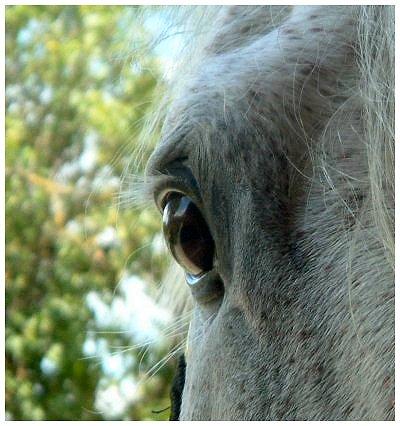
column 212, row 31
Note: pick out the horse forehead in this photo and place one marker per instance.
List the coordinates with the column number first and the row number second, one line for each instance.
column 219, row 95
column 211, row 117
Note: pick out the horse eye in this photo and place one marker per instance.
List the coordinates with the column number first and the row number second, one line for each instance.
column 187, row 234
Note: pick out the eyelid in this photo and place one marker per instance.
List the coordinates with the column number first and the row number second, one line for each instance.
column 167, row 185
column 161, row 196
column 182, row 181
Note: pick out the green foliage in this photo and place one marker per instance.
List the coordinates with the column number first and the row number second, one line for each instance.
column 75, row 100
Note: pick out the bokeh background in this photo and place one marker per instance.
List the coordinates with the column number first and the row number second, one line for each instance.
column 84, row 334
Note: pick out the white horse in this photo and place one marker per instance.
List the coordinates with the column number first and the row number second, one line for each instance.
column 275, row 178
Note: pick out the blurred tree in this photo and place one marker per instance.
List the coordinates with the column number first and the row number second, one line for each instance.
column 74, row 97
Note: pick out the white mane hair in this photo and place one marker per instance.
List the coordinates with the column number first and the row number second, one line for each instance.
column 343, row 150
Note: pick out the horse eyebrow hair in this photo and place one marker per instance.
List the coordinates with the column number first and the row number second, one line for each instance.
column 179, row 168
column 171, row 149
column 177, row 163
column 138, row 191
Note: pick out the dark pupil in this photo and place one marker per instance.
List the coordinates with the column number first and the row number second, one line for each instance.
column 187, row 234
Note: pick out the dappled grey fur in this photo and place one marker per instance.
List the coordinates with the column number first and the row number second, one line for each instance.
column 286, row 121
